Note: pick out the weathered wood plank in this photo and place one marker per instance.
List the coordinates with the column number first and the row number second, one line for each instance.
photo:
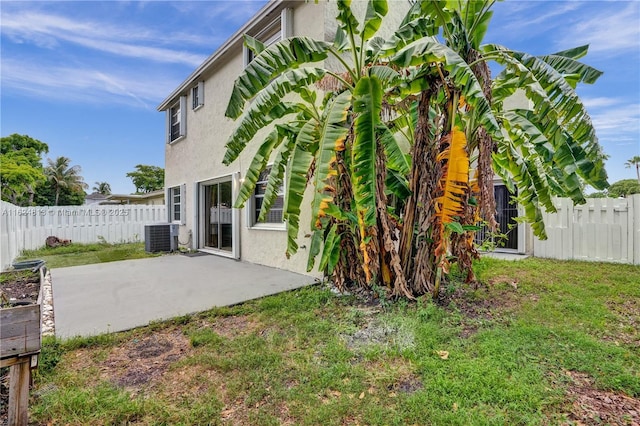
column 19, row 378
column 20, row 328
column 23, row 328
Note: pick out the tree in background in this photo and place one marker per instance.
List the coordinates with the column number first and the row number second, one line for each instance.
column 21, row 170
column 397, row 218
column 61, row 175
column 634, row 162
column 147, row 178
column 623, row 187
column 46, row 195
column 102, row 188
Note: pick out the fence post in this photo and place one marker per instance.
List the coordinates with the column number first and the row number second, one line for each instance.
column 634, row 228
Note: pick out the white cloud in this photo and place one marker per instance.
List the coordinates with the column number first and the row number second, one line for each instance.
column 85, row 84
column 599, row 102
column 618, row 125
column 613, row 31
column 524, row 18
column 48, row 31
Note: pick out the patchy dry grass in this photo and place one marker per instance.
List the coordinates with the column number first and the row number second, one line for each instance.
column 540, row 342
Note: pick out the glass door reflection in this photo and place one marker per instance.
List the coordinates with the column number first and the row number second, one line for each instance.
column 218, row 217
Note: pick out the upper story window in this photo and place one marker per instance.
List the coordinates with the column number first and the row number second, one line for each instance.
column 177, row 120
column 197, row 95
column 278, row 29
column 275, row 213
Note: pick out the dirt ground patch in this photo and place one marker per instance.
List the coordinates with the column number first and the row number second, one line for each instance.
column 596, row 407
column 234, row 326
column 142, row 361
column 478, row 304
column 628, row 321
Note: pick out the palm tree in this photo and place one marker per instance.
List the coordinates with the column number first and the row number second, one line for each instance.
column 634, row 161
column 62, row 175
column 102, row 188
column 427, row 85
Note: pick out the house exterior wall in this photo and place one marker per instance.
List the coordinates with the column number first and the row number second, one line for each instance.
column 197, row 157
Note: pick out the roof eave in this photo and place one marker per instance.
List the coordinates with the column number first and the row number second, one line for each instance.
column 231, row 42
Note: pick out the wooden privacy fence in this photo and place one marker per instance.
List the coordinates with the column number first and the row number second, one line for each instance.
column 603, row 229
column 26, row 228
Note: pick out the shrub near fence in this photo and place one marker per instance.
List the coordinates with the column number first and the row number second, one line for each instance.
column 603, row 229
column 26, row 228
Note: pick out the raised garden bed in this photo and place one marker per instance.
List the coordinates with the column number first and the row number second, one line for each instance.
column 20, row 333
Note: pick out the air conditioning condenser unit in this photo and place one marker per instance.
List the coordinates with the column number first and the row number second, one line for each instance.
column 161, row 237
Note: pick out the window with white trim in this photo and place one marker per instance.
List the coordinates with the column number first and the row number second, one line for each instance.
column 278, row 29
column 197, row 95
column 275, row 213
column 175, row 204
column 177, row 120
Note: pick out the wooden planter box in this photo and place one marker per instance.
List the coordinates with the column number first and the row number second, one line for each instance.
column 20, row 343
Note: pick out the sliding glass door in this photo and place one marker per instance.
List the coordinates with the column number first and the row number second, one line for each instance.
column 218, row 215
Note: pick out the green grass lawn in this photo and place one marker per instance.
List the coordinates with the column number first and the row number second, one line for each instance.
column 82, row 254
column 540, row 342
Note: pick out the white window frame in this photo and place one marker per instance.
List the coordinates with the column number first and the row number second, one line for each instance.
column 177, row 114
column 176, row 198
column 276, row 30
column 252, row 211
column 197, row 96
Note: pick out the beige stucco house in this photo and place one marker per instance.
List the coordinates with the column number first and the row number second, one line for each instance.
column 200, row 190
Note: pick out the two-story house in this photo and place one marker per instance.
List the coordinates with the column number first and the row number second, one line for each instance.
column 200, row 190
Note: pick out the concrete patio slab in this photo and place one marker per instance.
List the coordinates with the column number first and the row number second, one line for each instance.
column 117, row 296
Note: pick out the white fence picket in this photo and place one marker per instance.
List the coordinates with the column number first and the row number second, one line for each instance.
column 603, row 229
column 26, row 228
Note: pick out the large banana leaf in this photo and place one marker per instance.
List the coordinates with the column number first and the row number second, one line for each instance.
column 566, row 62
column 367, row 104
column 397, row 159
column 376, row 10
column 516, row 172
column 276, row 176
column 257, row 165
column 455, row 178
column 331, row 251
column 409, row 32
column 332, row 135
column 475, row 17
column 268, row 106
column 253, row 44
column 298, row 171
column 284, row 55
column 317, row 240
column 347, row 21
column 560, row 113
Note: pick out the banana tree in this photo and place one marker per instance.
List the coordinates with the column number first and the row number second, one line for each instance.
column 549, row 149
column 429, row 85
column 335, row 144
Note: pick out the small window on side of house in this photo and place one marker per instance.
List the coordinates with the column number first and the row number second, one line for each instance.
column 175, row 204
column 177, row 120
column 197, row 95
column 275, row 214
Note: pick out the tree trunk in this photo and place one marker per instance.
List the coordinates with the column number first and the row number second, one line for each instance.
column 390, row 263
column 485, row 147
column 416, row 246
column 348, row 271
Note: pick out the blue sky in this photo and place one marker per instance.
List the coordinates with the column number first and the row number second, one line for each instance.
column 85, row 77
